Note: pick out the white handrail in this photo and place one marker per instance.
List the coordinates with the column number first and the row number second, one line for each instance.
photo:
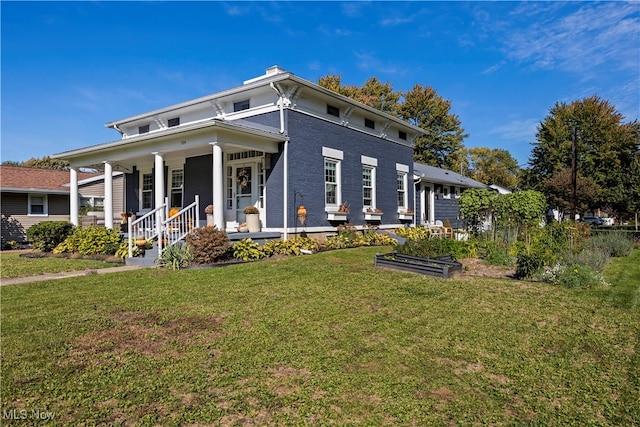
column 179, row 225
column 145, row 227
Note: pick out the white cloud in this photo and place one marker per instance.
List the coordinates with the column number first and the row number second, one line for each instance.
column 596, row 34
column 523, row 130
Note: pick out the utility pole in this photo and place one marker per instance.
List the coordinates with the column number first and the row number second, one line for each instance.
column 574, row 173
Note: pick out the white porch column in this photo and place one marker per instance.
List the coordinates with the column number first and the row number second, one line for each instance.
column 73, row 197
column 218, row 187
column 159, row 186
column 285, row 190
column 108, row 195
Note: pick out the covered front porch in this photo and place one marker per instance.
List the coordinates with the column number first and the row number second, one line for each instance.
column 215, row 163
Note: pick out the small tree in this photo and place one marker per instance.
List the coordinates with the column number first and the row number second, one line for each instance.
column 475, row 207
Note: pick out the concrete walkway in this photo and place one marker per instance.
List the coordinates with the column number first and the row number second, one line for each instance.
column 66, row 274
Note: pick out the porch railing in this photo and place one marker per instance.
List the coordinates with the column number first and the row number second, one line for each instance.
column 153, row 225
column 179, row 225
column 145, row 227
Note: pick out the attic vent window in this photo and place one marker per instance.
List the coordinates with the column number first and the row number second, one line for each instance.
column 241, row 105
column 333, row 111
column 173, row 122
column 143, row 129
column 369, row 123
column 402, row 135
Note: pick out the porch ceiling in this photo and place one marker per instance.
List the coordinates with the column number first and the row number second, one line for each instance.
column 175, row 143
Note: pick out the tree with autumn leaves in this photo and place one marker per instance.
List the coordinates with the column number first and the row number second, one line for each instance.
column 421, row 106
column 607, row 157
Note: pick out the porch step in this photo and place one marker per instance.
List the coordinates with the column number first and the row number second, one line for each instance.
column 148, row 260
column 260, row 237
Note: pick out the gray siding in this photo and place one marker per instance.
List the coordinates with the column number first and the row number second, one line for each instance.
column 308, row 136
column 198, row 179
column 16, row 221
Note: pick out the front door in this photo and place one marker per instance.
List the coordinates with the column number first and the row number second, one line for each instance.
column 244, row 189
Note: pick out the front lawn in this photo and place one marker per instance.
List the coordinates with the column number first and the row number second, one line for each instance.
column 319, row 340
column 15, row 264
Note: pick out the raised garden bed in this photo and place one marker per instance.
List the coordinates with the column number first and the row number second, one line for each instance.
column 441, row 267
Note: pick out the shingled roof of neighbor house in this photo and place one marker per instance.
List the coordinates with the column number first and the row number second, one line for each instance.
column 21, row 179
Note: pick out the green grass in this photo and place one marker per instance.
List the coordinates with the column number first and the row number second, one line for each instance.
column 13, row 265
column 316, row 340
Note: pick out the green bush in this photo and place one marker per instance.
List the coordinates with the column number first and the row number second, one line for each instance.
column 46, row 235
column 175, row 257
column 207, row 244
column 615, row 244
column 528, row 265
column 573, row 276
column 595, row 258
column 292, row 246
column 434, row 248
column 91, row 240
column 498, row 255
column 123, row 249
column 247, row 250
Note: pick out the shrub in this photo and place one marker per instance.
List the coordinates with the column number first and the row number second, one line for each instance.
column 46, row 235
column 573, row 276
column 434, row 248
column 207, row 244
column 247, row 250
column 289, row 247
column 614, row 244
column 413, row 233
column 528, row 265
column 91, row 240
column 123, row 249
column 175, row 257
column 595, row 258
column 497, row 255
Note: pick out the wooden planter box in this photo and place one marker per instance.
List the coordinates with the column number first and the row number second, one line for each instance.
column 441, row 267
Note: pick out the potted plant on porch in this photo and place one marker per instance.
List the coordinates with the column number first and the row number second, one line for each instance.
column 253, row 218
column 209, row 212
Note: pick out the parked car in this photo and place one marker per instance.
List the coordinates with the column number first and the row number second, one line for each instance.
column 593, row 220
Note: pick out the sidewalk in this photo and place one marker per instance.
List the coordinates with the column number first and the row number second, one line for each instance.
column 64, row 275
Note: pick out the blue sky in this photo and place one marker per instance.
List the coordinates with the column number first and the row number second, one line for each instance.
column 70, row 67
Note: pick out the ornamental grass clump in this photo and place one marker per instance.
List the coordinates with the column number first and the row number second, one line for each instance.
column 615, row 244
column 207, row 244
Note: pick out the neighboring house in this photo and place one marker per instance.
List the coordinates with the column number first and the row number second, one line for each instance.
column 30, row 196
column 277, row 142
column 437, row 194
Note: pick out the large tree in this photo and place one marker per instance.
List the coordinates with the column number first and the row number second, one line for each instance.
column 605, row 150
column 45, row 162
column 421, row 106
column 489, row 166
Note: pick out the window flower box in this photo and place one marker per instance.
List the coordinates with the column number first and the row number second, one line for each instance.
column 337, row 216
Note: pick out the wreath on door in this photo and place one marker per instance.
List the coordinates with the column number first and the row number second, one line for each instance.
column 242, row 177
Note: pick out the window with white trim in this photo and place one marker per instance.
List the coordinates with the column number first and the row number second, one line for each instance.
column 38, row 204
column 177, row 183
column 402, row 172
column 147, row 191
column 369, row 165
column 331, row 181
column 332, row 173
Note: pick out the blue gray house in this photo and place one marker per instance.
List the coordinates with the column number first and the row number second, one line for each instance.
column 277, row 142
column 437, row 194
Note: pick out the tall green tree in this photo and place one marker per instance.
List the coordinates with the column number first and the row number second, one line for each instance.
column 605, row 150
column 489, row 166
column 426, row 109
